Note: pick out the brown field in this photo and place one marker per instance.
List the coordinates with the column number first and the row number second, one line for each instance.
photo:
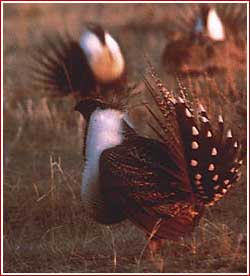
column 45, row 228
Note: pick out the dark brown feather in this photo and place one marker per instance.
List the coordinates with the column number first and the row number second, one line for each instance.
column 169, row 183
column 61, row 67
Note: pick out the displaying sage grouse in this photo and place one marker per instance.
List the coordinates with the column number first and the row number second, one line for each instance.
column 83, row 68
column 161, row 186
column 207, row 38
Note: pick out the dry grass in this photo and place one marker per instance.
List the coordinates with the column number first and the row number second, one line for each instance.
column 45, row 227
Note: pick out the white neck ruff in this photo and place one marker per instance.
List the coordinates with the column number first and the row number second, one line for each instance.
column 215, row 26
column 106, row 61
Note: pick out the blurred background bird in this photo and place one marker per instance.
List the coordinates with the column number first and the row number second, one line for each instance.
column 207, row 38
column 92, row 65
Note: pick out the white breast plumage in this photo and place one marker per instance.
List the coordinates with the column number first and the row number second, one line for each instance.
column 104, row 131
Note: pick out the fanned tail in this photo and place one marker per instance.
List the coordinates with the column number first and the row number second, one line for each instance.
column 209, row 154
column 182, row 25
column 213, row 156
column 170, row 132
column 61, row 68
column 234, row 16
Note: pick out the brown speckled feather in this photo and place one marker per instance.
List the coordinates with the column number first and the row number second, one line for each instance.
column 140, row 176
column 169, row 183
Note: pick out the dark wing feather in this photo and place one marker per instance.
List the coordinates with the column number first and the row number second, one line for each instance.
column 149, row 185
column 62, row 68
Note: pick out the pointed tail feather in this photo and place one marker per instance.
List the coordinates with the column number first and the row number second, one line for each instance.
column 61, row 67
column 210, row 156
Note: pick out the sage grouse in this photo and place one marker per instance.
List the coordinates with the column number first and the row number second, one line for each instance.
column 207, row 38
column 161, row 186
column 164, row 185
column 83, row 68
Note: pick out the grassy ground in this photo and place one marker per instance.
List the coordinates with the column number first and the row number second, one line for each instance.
column 45, row 227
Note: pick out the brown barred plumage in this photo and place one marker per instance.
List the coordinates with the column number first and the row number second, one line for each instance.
column 164, row 185
column 192, row 165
